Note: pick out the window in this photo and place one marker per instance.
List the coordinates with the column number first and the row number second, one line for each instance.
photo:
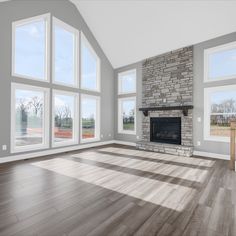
column 127, row 115
column 30, row 48
column 220, row 62
column 29, row 117
column 65, row 118
column 90, row 67
column 127, row 82
column 65, row 54
column 90, row 118
column 220, row 109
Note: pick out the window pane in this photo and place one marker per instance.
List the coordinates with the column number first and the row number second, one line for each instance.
column 89, row 68
column 89, row 114
column 64, row 67
column 127, row 82
column 128, row 112
column 63, row 117
column 223, row 102
column 29, row 107
column 222, row 64
column 30, row 49
column 220, row 125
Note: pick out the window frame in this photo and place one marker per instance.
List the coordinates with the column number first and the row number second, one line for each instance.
column 207, row 53
column 69, row 28
column 120, row 115
column 45, row 144
column 207, row 112
column 75, row 139
column 83, row 39
column 47, row 18
column 97, row 121
column 120, row 82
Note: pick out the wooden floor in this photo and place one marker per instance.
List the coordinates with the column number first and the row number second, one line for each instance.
column 116, row 190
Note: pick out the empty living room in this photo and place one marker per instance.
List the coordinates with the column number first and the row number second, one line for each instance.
column 118, row 118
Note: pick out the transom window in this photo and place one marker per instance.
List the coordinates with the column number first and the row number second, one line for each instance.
column 220, row 62
column 90, row 67
column 127, row 82
column 220, row 109
column 31, row 48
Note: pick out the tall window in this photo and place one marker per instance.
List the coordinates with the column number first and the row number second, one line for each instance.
column 29, row 117
column 127, row 102
column 220, row 62
column 90, row 118
column 127, row 115
column 31, row 48
column 90, row 67
column 65, row 54
column 65, row 118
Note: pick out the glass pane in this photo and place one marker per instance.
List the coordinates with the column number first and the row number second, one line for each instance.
column 63, row 117
column 223, row 102
column 220, row 125
column 64, row 56
column 128, row 82
column 29, row 107
column 88, row 68
column 89, row 110
column 128, row 114
column 30, row 48
column 222, row 64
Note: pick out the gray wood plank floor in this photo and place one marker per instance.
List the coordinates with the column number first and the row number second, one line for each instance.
column 117, row 190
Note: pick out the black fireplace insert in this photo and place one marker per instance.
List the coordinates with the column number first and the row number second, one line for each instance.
column 165, row 130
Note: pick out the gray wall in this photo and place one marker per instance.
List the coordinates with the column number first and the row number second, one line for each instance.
column 199, row 85
column 67, row 12
column 198, row 97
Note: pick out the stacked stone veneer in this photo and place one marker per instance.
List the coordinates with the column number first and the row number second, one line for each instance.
column 167, row 80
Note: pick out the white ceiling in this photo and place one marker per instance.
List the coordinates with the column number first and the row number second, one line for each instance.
column 130, row 31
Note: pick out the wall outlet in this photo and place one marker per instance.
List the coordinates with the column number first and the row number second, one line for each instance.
column 4, row 147
column 198, row 143
column 199, row 119
column 101, row 135
column 109, row 135
column 137, row 137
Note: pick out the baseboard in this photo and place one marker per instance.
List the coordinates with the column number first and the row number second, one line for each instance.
column 52, row 151
column 211, row 155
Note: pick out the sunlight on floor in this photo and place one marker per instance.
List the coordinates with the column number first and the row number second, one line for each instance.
column 166, row 194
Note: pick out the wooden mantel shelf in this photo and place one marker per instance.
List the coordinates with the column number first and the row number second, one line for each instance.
column 167, row 108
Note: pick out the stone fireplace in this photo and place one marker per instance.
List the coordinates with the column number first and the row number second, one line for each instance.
column 168, row 83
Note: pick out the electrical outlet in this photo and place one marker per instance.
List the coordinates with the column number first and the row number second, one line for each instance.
column 137, row 137
column 101, row 135
column 199, row 119
column 198, row 143
column 109, row 135
column 4, row 147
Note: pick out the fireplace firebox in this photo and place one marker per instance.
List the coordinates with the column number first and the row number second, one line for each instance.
column 165, row 130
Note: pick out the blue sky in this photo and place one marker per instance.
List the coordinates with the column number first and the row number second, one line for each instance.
column 222, row 63
column 127, row 106
column 128, row 83
column 88, row 108
column 63, row 100
column 219, row 97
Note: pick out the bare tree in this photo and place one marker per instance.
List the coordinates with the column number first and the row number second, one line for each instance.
column 37, row 105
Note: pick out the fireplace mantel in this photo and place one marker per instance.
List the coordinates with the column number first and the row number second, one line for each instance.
column 184, row 108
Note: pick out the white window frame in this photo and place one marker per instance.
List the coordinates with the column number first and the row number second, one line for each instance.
column 120, row 116
column 97, row 121
column 45, row 144
column 84, row 40
column 46, row 18
column 207, row 112
column 120, row 75
column 75, row 139
column 74, row 31
column 207, row 53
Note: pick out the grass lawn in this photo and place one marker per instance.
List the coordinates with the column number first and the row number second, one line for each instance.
column 128, row 126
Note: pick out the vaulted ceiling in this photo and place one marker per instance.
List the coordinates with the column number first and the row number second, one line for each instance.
column 129, row 31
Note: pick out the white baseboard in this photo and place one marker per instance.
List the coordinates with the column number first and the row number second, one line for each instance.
column 211, row 155
column 52, row 151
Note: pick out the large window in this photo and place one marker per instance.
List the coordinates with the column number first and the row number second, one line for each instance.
column 127, row 82
column 90, row 118
column 65, row 118
column 127, row 116
column 220, row 109
column 65, row 54
column 220, row 62
column 30, row 115
column 90, row 67
column 31, row 48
